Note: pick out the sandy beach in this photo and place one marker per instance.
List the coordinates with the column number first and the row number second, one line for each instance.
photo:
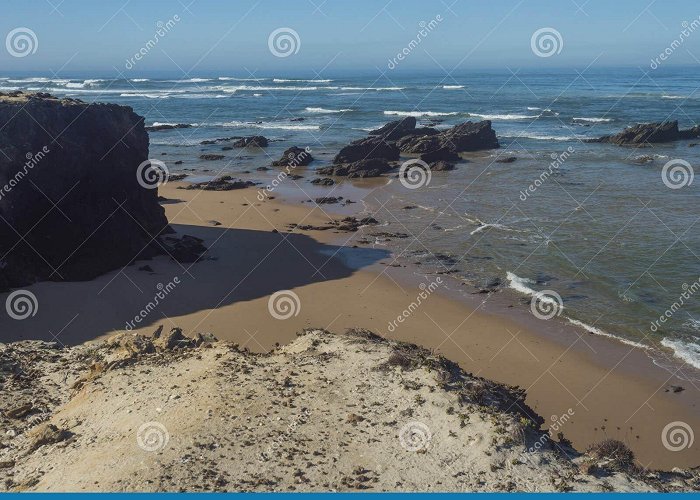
column 609, row 389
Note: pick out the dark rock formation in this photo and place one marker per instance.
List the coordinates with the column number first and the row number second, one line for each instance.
column 468, row 136
column 363, row 168
column 71, row 205
column 650, row 133
column 294, row 157
column 323, row 181
column 441, row 166
column 508, row 159
column 393, row 131
column 367, row 148
column 223, row 183
column 257, row 141
column 167, row 126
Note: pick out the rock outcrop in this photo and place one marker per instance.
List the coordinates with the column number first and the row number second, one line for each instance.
column 368, row 148
column 294, row 157
column 71, row 203
column 178, row 413
column 465, row 137
column 372, row 167
column 650, row 133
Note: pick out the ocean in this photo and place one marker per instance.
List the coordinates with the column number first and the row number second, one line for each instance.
column 608, row 233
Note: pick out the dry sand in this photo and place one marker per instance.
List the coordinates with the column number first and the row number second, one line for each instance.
column 612, row 391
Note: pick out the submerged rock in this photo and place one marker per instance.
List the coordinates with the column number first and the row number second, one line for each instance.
column 257, row 141
column 167, row 126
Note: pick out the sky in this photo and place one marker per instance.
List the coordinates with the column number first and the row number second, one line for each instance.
column 335, row 37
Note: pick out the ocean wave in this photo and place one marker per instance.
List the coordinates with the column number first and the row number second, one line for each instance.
column 234, row 79
column 504, row 117
column 261, row 88
column 372, row 88
column 140, row 80
column 520, row 284
column 55, row 81
column 592, row 120
column 284, row 80
column 687, row 351
column 419, row 114
column 190, row 80
column 533, row 108
column 602, row 333
column 324, row 110
column 172, row 124
column 452, row 87
column 201, row 96
column 539, row 137
column 84, row 84
column 146, row 95
column 669, row 96
column 267, row 125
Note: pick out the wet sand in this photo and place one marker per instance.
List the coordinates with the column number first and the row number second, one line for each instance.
column 614, row 391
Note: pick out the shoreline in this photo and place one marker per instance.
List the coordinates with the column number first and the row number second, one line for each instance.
column 228, row 297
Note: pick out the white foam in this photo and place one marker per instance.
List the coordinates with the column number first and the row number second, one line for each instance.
column 146, row 95
column 259, row 88
column 372, row 88
column 667, row 96
column 520, row 284
column 504, row 117
column 533, row 108
column 160, row 124
column 139, row 80
column 231, row 78
column 687, row 351
column 540, row 137
column 284, row 80
column 452, row 87
column 267, row 125
column 324, row 110
column 592, row 120
column 419, row 114
column 487, row 226
column 598, row 331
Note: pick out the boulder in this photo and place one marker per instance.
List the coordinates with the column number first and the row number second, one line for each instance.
column 367, row 148
column 71, row 204
column 373, row 167
column 649, row 133
column 395, row 130
column 257, row 141
column 294, row 157
column 211, row 157
column 468, row 136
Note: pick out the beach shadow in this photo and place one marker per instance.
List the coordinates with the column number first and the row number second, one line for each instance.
column 240, row 265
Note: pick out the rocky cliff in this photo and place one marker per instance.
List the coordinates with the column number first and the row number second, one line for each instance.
column 71, row 205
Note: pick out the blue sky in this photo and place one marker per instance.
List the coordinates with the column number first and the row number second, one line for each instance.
column 231, row 37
